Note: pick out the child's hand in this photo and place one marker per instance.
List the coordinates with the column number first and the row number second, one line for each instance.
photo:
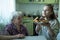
column 46, row 23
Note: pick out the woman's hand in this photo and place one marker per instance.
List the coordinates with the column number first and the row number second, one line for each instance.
column 19, row 35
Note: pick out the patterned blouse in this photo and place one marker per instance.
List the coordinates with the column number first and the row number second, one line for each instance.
column 54, row 24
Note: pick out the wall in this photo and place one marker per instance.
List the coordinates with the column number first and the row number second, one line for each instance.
column 33, row 7
column 59, row 12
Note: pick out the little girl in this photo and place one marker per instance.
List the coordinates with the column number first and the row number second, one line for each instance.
column 49, row 28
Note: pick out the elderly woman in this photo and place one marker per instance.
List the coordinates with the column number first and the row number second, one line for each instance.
column 49, row 25
column 16, row 29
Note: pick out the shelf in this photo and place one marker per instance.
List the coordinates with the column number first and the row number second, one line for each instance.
column 40, row 2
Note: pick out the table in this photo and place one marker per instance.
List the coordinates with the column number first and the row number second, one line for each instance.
column 33, row 38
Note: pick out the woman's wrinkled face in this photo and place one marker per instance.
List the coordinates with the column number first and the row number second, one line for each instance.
column 18, row 20
column 46, row 11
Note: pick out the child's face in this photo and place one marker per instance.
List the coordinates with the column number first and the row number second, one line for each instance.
column 47, row 11
column 18, row 20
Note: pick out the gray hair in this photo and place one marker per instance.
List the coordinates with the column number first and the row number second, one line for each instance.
column 16, row 14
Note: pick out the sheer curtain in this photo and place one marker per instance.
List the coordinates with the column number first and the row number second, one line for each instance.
column 6, row 9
